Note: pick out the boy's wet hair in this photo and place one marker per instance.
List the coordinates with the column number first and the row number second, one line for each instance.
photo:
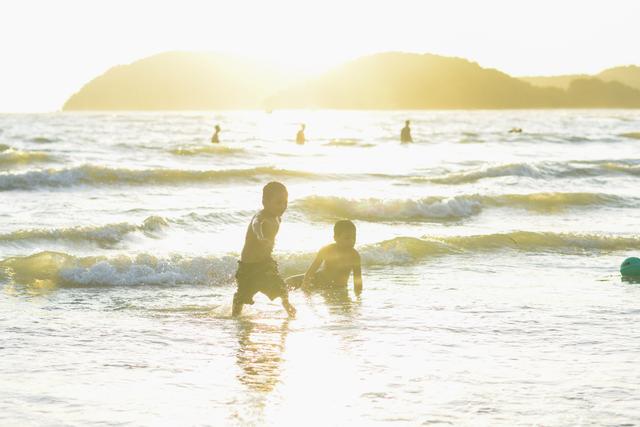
column 272, row 188
column 343, row 226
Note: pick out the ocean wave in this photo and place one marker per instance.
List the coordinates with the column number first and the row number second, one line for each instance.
column 466, row 177
column 528, row 137
column 51, row 269
column 206, row 149
column 431, row 208
column 342, row 143
column 42, row 139
column 619, row 167
column 632, row 135
column 451, row 208
column 56, row 269
column 214, row 218
column 103, row 236
column 471, row 138
column 99, row 175
column 10, row 157
column 553, row 202
column 402, row 250
column 348, row 143
column 574, row 138
column 545, row 170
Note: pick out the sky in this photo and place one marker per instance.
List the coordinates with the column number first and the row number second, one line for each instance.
column 49, row 49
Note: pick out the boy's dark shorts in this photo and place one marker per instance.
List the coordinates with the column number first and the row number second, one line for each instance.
column 259, row 277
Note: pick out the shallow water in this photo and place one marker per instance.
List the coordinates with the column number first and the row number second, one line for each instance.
column 492, row 293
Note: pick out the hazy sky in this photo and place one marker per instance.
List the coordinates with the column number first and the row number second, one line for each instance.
column 49, row 49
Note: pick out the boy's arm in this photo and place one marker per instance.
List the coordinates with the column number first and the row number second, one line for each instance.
column 266, row 231
column 311, row 271
column 357, row 275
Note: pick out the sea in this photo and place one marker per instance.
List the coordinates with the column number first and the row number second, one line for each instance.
column 492, row 293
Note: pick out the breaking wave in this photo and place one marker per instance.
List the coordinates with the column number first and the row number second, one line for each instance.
column 10, row 157
column 46, row 269
column 536, row 171
column 99, row 175
column 466, row 177
column 450, row 208
column 103, row 235
column 431, row 208
column 403, row 250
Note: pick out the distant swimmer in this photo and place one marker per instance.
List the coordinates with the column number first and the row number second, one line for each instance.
column 515, row 130
column 405, row 134
column 300, row 139
column 214, row 138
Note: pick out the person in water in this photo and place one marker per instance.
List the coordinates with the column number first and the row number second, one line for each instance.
column 257, row 270
column 337, row 260
column 405, row 133
column 300, row 139
column 214, row 138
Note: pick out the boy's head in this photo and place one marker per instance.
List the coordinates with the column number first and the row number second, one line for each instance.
column 275, row 198
column 406, row 122
column 344, row 233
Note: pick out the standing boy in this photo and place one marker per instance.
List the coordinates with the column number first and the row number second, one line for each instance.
column 257, row 270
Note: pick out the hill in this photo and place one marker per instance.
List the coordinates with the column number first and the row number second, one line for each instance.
column 412, row 81
column 629, row 75
column 392, row 80
column 179, row 81
column 560, row 82
column 595, row 93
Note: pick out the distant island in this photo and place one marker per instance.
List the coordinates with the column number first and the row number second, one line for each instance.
column 180, row 81
column 391, row 80
column 629, row 76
